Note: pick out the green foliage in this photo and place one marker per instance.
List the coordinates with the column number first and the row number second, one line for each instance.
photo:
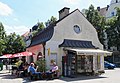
column 14, row 44
column 41, row 65
column 40, row 28
column 2, row 38
column 41, row 25
column 51, row 20
column 113, row 31
column 2, row 31
column 98, row 21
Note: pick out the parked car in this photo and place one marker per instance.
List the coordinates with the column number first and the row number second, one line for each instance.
column 109, row 65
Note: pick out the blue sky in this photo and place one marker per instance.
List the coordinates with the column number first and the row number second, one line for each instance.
column 20, row 15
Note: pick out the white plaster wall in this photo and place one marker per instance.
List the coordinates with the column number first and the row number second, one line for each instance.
column 114, row 1
column 64, row 30
column 102, row 62
column 112, row 9
column 94, row 61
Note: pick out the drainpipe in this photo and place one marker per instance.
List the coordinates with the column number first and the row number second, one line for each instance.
column 44, row 44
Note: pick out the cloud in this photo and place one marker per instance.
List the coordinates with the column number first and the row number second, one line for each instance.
column 15, row 19
column 17, row 29
column 5, row 10
column 72, row 2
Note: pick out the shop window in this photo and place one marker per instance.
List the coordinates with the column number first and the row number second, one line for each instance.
column 112, row 13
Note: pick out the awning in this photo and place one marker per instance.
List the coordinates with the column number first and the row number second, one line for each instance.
column 6, row 56
column 17, row 55
column 90, row 52
column 22, row 54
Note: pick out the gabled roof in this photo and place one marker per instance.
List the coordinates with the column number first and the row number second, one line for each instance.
column 103, row 11
column 43, row 36
column 25, row 34
column 47, row 33
column 77, row 44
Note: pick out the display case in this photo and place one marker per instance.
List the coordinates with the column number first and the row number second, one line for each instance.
column 69, row 65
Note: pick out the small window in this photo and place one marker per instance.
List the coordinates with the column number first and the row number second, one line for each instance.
column 112, row 13
column 116, row 1
column 77, row 29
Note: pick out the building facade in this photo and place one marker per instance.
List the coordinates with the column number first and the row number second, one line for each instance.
column 72, row 42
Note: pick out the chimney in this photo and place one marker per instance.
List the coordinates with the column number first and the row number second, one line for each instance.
column 98, row 8
column 107, row 7
column 63, row 12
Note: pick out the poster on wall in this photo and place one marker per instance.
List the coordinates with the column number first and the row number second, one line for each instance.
column 53, row 57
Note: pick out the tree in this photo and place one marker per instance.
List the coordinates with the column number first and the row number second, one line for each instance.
column 97, row 21
column 117, row 25
column 2, row 37
column 40, row 26
column 52, row 20
column 14, row 44
column 113, row 31
column 41, row 64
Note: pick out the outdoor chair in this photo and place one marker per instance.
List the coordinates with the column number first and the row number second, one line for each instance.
column 35, row 76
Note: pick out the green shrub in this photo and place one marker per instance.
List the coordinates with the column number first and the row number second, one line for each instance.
column 41, row 65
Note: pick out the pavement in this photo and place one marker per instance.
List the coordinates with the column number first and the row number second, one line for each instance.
column 110, row 76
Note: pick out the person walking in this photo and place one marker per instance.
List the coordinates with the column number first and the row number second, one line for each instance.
column 6, row 64
column 1, row 65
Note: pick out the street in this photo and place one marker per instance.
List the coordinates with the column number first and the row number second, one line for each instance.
column 110, row 76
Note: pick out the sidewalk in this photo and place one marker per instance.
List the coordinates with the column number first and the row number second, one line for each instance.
column 6, row 77
column 110, row 76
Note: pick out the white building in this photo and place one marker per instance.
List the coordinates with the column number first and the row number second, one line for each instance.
column 72, row 42
column 111, row 10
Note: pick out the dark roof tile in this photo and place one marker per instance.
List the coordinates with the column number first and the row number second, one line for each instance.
column 77, row 44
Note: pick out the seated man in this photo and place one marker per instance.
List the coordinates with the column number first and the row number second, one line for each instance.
column 32, row 70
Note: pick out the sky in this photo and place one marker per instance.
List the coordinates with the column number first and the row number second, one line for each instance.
column 21, row 15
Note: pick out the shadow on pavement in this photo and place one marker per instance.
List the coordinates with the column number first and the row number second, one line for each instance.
column 66, row 79
column 81, row 78
column 8, row 76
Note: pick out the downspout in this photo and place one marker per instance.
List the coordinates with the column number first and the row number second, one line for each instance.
column 44, row 44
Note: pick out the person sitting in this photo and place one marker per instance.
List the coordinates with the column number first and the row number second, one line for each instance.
column 54, row 70
column 19, row 66
column 25, row 66
column 33, row 71
column 18, row 63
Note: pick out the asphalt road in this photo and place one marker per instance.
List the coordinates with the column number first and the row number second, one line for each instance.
column 110, row 76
